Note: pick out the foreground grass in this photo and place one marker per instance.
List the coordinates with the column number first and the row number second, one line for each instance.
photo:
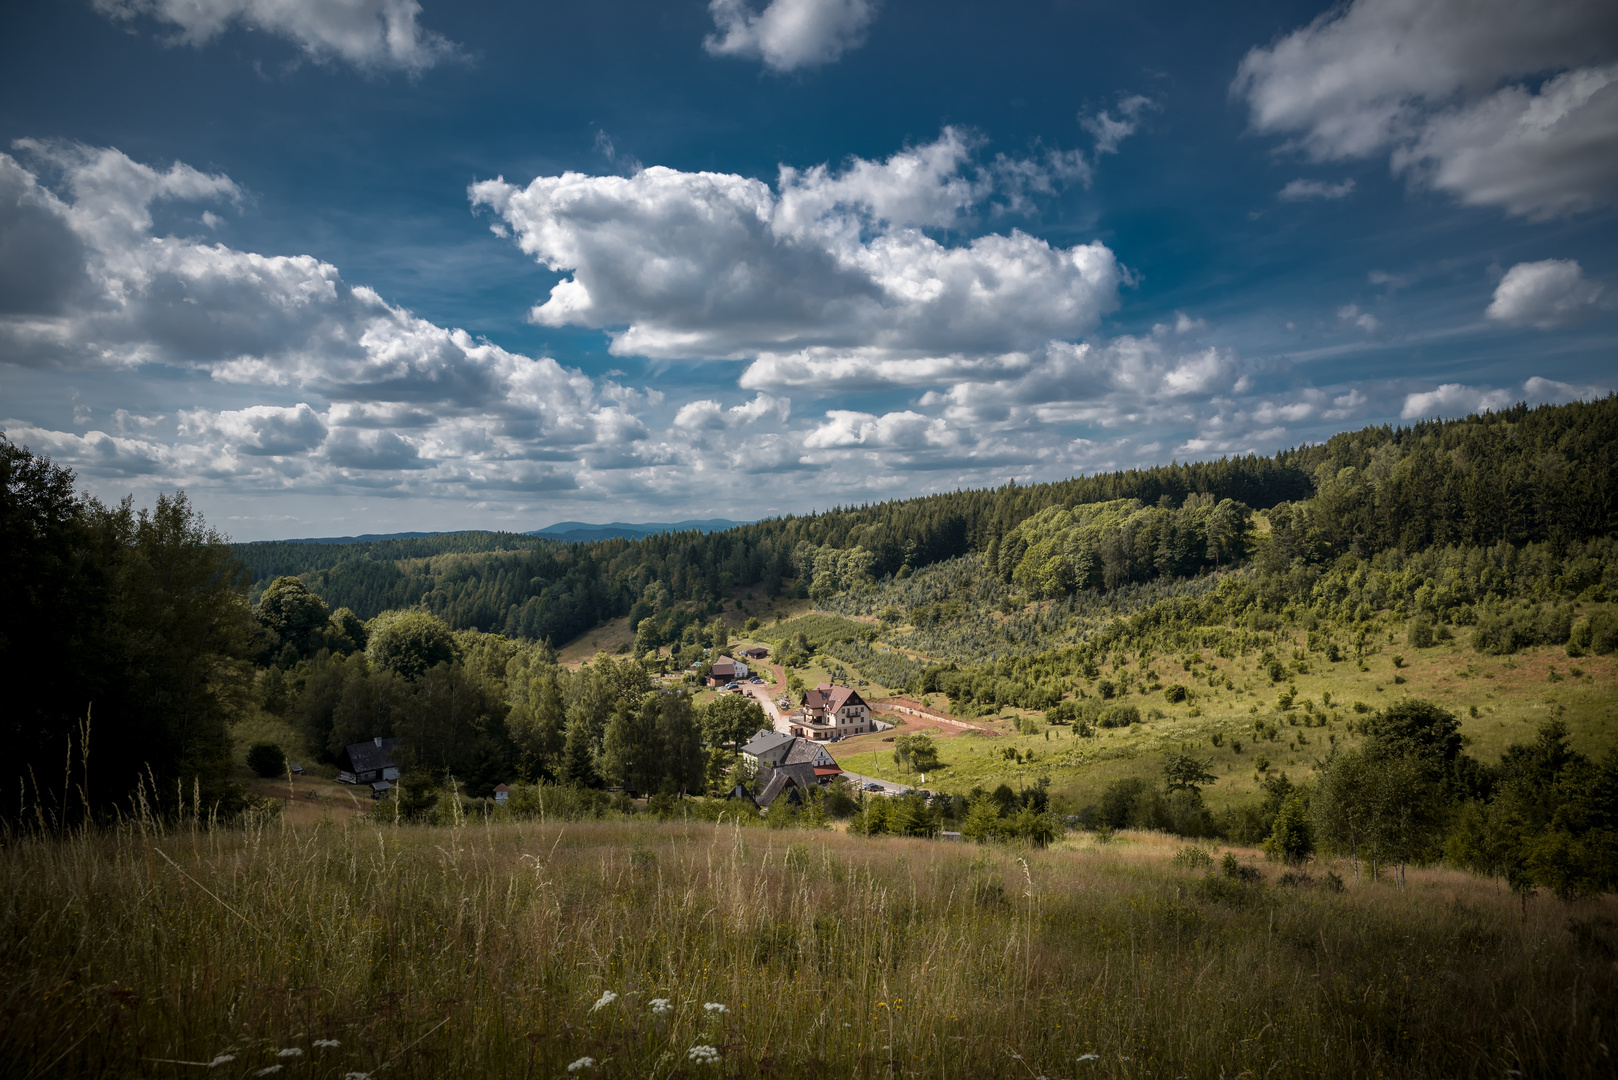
column 346, row 949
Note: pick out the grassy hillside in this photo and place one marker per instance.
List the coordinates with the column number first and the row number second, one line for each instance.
column 1512, row 696
column 643, row 949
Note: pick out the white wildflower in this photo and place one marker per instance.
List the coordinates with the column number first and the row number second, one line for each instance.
column 291, row 1051
column 703, row 1055
column 1089, row 1057
column 327, row 1044
column 715, row 1007
column 661, row 1006
column 607, row 998
column 221, row 1059
column 268, row 1071
column 356, row 1076
column 582, row 1063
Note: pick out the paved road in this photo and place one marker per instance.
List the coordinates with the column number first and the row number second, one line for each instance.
column 887, row 785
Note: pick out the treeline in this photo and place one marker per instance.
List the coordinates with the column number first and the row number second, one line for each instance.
column 1520, row 476
column 124, row 647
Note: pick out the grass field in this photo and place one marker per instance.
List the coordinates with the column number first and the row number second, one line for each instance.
column 1512, row 695
column 347, row 950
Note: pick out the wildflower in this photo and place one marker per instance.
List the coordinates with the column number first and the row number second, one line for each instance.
column 715, row 1007
column 268, row 1071
column 607, row 998
column 582, row 1063
column 661, row 1006
column 1089, row 1057
column 356, row 1076
column 221, row 1059
column 327, row 1044
column 291, row 1051
column 703, row 1055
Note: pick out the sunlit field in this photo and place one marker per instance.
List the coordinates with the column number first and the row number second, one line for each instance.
column 345, row 949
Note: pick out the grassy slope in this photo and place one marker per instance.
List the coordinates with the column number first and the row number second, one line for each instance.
column 1512, row 694
column 480, row 951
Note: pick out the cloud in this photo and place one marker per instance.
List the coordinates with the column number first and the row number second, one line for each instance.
column 708, row 414
column 1447, row 89
column 1351, row 313
column 789, row 34
column 260, row 429
column 392, row 399
column 1121, row 381
column 1454, row 399
column 1298, row 190
column 713, row 265
column 372, row 35
column 1547, row 294
column 1108, row 131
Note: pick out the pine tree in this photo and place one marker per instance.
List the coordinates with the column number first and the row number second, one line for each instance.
column 578, row 760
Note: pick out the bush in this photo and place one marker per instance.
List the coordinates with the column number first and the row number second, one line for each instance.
column 267, row 760
column 1115, row 716
column 1192, row 858
column 1421, row 633
column 1175, row 694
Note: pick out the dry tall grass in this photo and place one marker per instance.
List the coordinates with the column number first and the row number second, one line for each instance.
column 484, row 951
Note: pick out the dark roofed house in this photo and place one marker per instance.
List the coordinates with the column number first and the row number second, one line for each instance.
column 788, row 764
column 368, row 762
column 767, row 748
column 757, row 652
column 726, row 670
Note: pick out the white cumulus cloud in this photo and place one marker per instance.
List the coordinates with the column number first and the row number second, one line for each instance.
column 789, row 34
column 714, row 265
column 1547, row 294
column 370, row 34
column 1449, row 89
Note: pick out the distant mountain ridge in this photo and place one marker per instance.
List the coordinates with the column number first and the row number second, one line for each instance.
column 573, row 532
column 578, row 531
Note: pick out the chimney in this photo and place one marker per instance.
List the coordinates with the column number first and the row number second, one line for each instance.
column 378, row 741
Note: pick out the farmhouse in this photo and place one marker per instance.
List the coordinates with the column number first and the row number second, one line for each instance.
column 369, row 763
column 726, row 670
column 830, row 711
column 788, row 764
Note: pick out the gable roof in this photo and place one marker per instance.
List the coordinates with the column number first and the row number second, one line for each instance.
column 768, row 746
column 806, row 752
column 370, row 756
column 785, row 776
column 831, row 698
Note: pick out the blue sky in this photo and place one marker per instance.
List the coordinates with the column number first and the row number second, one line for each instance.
column 341, row 266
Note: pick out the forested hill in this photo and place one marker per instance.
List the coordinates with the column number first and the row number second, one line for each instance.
column 1517, row 476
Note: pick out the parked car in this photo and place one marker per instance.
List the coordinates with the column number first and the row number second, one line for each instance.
column 874, row 787
column 733, row 686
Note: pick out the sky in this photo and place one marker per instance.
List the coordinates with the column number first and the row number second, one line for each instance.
column 354, row 266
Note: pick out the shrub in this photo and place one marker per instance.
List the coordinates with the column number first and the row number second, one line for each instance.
column 1115, row 716
column 1193, row 858
column 266, row 760
column 1175, row 694
column 1421, row 633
